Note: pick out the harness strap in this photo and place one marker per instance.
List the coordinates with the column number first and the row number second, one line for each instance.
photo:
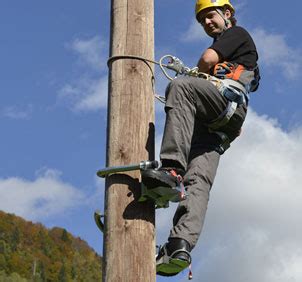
column 231, row 83
column 224, row 117
column 236, row 94
column 224, row 144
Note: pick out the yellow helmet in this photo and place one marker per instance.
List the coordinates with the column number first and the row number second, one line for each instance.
column 204, row 4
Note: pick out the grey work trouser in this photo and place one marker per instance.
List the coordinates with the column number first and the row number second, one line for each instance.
column 191, row 103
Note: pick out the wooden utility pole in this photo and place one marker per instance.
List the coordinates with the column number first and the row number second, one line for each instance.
column 129, row 240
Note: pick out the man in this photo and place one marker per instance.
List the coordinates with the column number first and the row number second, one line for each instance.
column 200, row 116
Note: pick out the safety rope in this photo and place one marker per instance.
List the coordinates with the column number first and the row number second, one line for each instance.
column 146, row 61
column 178, row 66
column 175, row 65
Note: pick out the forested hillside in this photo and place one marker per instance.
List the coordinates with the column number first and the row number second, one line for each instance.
column 30, row 252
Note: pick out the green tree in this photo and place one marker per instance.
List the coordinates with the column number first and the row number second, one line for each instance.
column 3, row 264
column 65, row 236
column 42, row 271
column 73, row 272
column 15, row 240
column 62, row 274
column 13, row 277
column 3, row 247
column 22, row 243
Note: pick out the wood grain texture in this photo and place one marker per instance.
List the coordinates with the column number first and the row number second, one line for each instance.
column 129, row 243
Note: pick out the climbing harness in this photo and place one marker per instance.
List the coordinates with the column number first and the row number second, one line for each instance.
column 248, row 78
column 229, row 79
column 224, row 79
column 235, row 93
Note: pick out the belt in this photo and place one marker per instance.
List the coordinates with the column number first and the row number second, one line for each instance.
column 233, row 90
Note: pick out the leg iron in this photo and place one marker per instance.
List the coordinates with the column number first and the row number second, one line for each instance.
column 173, row 189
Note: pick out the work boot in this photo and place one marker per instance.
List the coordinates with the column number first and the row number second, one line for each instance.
column 163, row 185
column 173, row 257
column 162, row 177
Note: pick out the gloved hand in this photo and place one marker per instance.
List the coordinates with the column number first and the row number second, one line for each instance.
column 222, row 70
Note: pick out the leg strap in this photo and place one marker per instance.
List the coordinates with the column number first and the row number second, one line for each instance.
column 224, row 144
column 224, row 117
column 235, row 93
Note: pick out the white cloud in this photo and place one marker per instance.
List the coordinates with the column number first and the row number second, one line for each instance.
column 194, row 33
column 46, row 196
column 96, row 199
column 240, row 6
column 90, row 51
column 253, row 231
column 275, row 52
column 85, row 94
column 14, row 112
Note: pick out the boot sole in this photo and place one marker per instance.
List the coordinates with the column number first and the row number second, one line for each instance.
column 154, row 178
column 172, row 268
column 162, row 195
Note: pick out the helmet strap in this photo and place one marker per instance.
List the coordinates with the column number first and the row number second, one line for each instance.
column 227, row 22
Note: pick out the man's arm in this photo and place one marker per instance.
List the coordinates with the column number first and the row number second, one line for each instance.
column 208, row 60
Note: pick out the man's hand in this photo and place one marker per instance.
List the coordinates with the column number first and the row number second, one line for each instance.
column 208, row 60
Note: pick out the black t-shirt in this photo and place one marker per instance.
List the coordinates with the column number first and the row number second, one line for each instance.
column 235, row 45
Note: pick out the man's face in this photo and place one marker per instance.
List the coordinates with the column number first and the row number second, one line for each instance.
column 212, row 22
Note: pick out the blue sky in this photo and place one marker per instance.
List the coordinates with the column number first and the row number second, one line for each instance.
column 53, row 123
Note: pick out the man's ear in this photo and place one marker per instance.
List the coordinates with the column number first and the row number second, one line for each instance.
column 228, row 13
